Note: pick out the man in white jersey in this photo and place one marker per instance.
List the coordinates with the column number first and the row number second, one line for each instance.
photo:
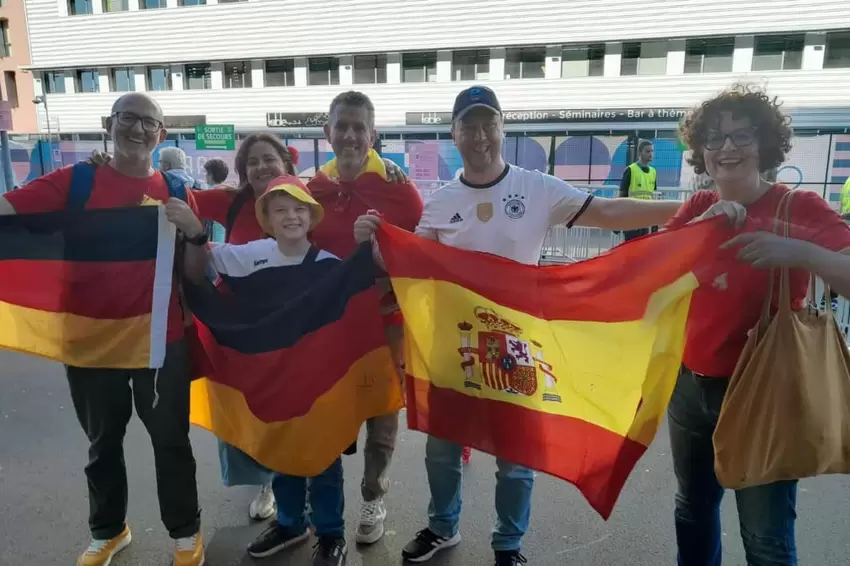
column 503, row 210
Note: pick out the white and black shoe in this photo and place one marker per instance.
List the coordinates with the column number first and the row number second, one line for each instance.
column 276, row 538
column 426, row 545
column 330, row 551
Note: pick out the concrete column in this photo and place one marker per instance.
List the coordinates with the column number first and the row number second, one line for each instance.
column 301, row 69
column 346, row 70
column 613, row 59
column 444, row 66
column 217, row 75
column 258, row 77
column 176, row 77
column 103, row 80
column 676, row 57
column 553, row 62
column 171, row 4
column 133, row 5
column 742, row 58
column 97, row 6
column 141, row 79
column 70, row 82
column 393, row 68
column 814, row 51
column 497, row 64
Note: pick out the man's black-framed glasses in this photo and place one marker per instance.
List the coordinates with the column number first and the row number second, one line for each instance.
column 742, row 137
column 129, row 119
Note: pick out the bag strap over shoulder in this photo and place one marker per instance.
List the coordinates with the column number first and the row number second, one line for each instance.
column 239, row 201
column 781, row 227
column 82, row 182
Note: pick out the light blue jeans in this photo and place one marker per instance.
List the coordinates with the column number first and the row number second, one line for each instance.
column 237, row 468
column 445, row 477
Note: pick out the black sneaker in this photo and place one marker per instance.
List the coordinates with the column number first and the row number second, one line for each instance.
column 274, row 539
column 509, row 558
column 330, row 551
column 426, row 545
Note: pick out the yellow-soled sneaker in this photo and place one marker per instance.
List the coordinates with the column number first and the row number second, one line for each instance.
column 100, row 552
column 189, row 551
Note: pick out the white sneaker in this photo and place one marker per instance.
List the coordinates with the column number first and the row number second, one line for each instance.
column 371, row 527
column 263, row 505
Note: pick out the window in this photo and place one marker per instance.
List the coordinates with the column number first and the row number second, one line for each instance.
column 123, row 79
column 777, row 52
column 197, row 76
column 5, row 44
column 471, row 65
column 419, row 67
column 152, row 4
column 370, row 69
column 582, row 61
column 647, row 58
column 116, row 6
column 237, row 74
column 837, row 51
column 191, row 2
column 53, row 82
column 88, row 80
column 159, row 78
column 709, row 55
column 323, row 71
column 79, row 7
column 11, row 87
column 525, row 63
column 280, row 72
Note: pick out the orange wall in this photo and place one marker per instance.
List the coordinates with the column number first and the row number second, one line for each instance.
column 24, row 116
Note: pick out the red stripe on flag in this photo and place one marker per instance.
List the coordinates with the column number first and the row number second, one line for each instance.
column 90, row 289
column 613, row 287
column 273, row 382
column 595, row 460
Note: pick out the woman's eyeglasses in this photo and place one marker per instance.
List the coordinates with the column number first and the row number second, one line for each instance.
column 739, row 138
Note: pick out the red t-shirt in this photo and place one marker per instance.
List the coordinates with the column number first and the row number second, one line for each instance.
column 213, row 204
column 111, row 189
column 729, row 301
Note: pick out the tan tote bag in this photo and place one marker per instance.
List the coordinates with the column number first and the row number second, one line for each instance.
column 786, row 413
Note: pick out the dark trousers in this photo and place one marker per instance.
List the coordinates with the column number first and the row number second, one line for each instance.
column 766, row 513
column 103, row 400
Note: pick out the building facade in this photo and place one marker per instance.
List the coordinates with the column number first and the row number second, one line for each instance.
column 16, row 86
column 580, row 81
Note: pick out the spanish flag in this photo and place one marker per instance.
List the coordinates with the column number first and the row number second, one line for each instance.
column 88, row 288
column 295, row 359
column 567, row 370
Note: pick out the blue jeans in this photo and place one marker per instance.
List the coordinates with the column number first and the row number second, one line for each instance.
column 445, row 476
column 766, row 513
column 327, row 501
column 237, row 468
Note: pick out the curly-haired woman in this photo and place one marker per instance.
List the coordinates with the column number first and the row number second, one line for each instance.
column 735, row 137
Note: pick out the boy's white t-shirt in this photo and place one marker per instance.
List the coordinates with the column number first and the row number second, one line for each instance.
column 508, row 218
column 245, row 259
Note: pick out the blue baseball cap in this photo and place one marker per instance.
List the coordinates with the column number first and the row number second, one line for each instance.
column 476, row 96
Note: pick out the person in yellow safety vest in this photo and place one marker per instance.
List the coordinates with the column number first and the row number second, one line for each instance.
column 845, row 200
column 639, row 181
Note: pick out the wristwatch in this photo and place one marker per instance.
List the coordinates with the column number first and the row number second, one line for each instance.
column 199, row 240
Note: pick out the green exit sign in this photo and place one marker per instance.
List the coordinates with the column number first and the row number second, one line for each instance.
column 212, row 136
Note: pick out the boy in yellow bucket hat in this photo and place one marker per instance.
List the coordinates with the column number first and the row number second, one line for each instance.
column 287, row 212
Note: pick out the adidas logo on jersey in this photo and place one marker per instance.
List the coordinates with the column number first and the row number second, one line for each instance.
column 456, row 218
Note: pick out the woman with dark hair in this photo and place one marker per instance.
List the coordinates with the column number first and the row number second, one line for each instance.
column 735, row 138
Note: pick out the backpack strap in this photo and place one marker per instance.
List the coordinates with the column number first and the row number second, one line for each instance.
column 176, row 186
column 82, row 181
column 239, row 201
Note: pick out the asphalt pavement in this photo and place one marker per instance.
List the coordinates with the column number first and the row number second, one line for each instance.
column 43, row 505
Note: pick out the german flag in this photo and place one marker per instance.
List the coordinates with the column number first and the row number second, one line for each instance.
column 88, row 288
column 291, row 374
column 567, row 370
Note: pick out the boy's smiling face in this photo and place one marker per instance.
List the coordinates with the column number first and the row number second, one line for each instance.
column 288, row 217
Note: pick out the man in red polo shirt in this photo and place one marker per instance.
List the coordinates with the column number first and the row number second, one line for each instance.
column 354, row 182
column 103, row 397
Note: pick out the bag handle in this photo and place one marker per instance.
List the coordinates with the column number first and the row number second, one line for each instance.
column 781, row 227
